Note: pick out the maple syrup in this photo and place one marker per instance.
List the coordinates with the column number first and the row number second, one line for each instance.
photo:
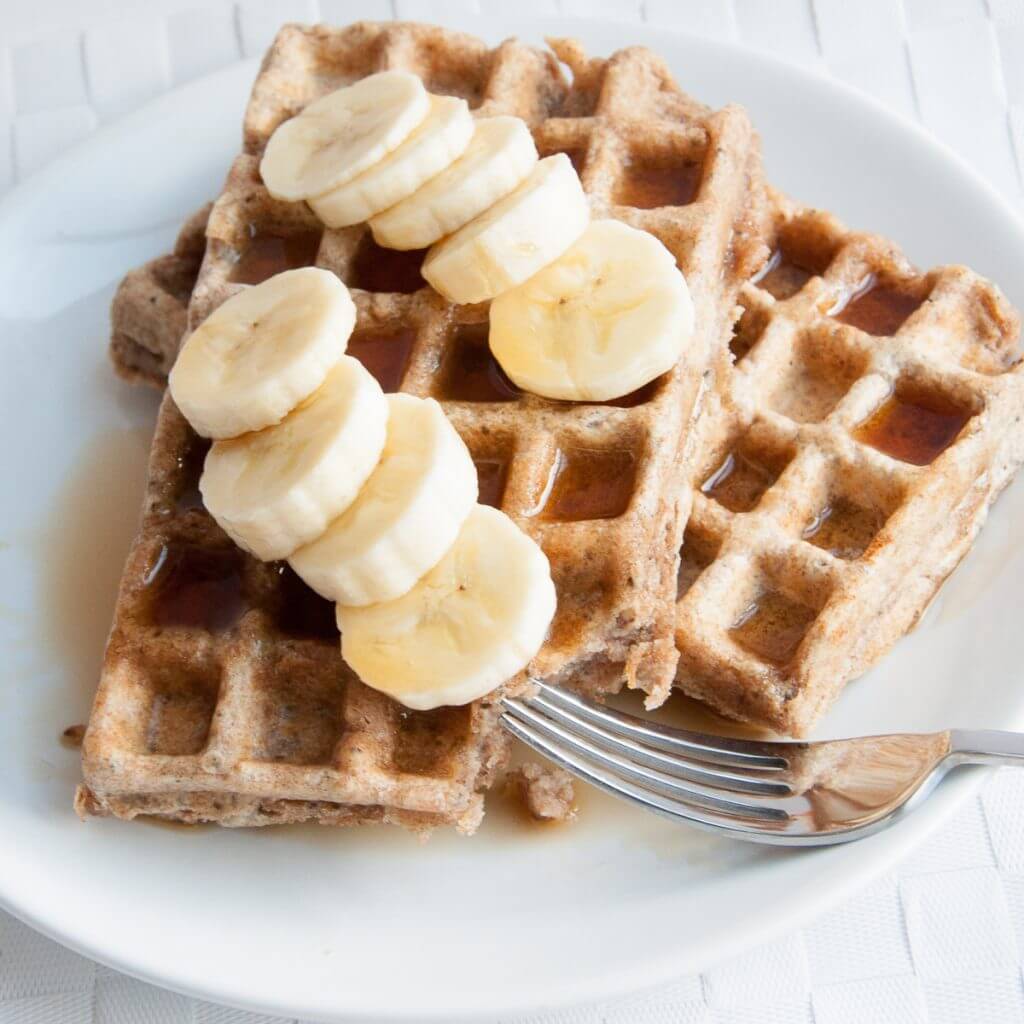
column 376, row 269
column 589, row 484
column 195, row 587
column 301, row 611
column 426, row 740
column 471, row 373
column 772, row 626
column 268, row 253
column 180, row 715
column 491, row 478
column 384, row 352
column 190, row 469
column 647, row 186
column 875, row 308
column 844, row 529
column 785, row 274
column 914, row 428
column 696, row 554
column 78, row 551
column 740, row 481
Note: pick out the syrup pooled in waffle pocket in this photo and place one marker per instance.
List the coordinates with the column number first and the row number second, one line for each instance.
column 871, row 418
column 543, row 222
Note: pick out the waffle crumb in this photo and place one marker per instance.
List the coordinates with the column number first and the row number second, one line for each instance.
column 547, row 792
column 72, row 736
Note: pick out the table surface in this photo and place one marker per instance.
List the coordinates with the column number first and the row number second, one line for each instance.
column 939, row 940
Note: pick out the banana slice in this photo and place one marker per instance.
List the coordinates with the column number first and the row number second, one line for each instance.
column 342, row 134
column 277, row 489
column 262, row 352
column 499, row 156
column 514, row 238
column 611, row 314
column 406, row 517
column 437, row 141
column 475, row 620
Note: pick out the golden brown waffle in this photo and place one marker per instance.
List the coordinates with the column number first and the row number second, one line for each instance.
column 150, row 309
column 224, row 697
column 843, row 469
column 187, row 701
column 815, row 540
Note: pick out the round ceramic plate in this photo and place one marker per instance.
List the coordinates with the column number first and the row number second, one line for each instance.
column 331, row 924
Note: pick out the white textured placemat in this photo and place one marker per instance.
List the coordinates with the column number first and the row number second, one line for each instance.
column 942, row 939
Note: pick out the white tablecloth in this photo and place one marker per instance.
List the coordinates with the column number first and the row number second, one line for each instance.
column 942, row 939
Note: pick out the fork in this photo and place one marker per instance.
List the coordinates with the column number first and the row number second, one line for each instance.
column 787, row 793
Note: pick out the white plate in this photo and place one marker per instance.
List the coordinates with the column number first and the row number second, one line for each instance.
column 323, row 924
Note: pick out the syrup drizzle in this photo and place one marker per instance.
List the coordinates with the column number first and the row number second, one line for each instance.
column 375, row 269
column 739, row 482
column 491, row 475
column 875, row 308
column 268, row 253
column 471, row 373
column 772, row 626
column 385, row 353
column 648, row 186
column 196, row 588
column 589, row 484
column 913, row 428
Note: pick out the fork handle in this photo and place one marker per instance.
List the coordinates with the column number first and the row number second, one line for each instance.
column 986, row 746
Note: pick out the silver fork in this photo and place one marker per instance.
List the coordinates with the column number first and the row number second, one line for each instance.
column 784, row 793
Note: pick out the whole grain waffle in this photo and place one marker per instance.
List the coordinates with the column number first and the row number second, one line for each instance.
column 197, row 708
column 844, row 467
column 853, row 439
column 150, row 309
column 223, row 694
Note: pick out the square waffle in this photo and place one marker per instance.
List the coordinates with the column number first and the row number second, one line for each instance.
column 853, row 438
column 844, row 467
column 222, row 698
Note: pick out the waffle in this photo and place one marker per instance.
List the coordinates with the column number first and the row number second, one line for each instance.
column 198, row 710
column 816, row 540
column 844, row 467
column 150, row 309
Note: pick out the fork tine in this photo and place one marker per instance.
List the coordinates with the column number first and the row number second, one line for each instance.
column 763, row 831
column 696, row 745
column 677, row 765
column 689, row 792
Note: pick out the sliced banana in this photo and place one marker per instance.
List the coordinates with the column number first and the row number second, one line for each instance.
column 515, row 238
column 406, row 517
column 342, row 134
column 611, row 314
column 277, row 489
column 499, row 156
column 474, row 621
column 262, row 352
column 437, row 141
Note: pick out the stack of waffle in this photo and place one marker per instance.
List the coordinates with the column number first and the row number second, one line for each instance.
column 223, row 695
